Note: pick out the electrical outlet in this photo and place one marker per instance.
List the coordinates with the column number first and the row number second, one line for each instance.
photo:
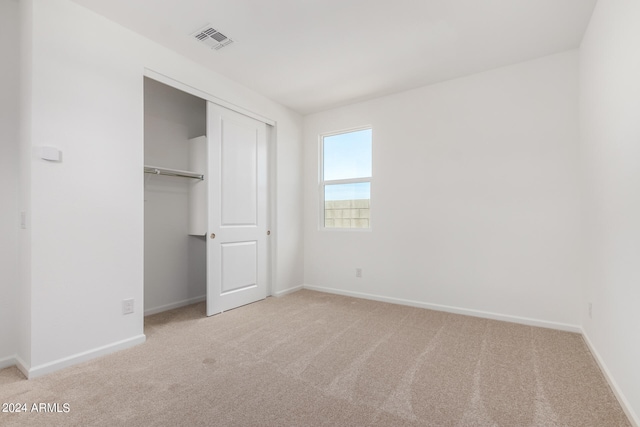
column 590, row 310
column 358, row 272
column 23, row 220
column 127, row 306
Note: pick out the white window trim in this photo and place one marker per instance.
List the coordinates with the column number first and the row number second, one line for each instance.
column 322, row 183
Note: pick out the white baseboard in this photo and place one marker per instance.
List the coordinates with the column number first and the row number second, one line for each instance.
column 626, row 407
column 449, row 309
column 5, row 362
column 287, row 291
column 173, row 305
column 22, row 366
column 56, row 365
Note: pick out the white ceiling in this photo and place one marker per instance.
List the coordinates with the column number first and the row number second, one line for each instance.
column 312, row 55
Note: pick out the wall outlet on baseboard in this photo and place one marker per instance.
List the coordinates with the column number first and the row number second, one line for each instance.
column 127, row 306
column 358, row 272
column 590, row 310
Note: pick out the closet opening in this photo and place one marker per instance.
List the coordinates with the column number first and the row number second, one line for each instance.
column 175, row 261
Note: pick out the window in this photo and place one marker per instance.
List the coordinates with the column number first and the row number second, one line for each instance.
column 345, row 179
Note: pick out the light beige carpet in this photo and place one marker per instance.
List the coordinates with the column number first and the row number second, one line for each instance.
column 310, row 359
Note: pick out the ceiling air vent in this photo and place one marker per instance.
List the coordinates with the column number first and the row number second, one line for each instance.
column 212, row 38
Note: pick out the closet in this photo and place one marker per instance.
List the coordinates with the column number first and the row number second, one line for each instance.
column 206, row 202
column 174, row 260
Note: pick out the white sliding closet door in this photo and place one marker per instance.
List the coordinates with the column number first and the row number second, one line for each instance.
column 237, row 218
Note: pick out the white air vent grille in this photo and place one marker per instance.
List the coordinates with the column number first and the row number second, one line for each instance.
column 212, row 38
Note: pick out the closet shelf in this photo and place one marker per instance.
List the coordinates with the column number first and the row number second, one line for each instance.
column 156, row 170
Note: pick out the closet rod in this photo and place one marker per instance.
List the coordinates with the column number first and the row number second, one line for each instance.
column 172, row 172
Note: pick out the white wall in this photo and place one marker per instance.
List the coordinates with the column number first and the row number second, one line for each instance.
column 23, row 302
column 175, row 270
column 9, row 190
column 610, row 137
column 87, row 211
column 475, row 203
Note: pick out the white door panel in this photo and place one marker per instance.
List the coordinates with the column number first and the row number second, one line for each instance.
column 237, row 218
column 240, row 153
column 238, row 266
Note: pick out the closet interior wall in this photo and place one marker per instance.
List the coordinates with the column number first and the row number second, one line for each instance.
column 174, row 261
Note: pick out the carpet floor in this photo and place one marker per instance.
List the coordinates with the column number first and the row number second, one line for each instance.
column 316, row 359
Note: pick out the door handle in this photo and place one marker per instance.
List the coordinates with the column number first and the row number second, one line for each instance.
column 213, row 235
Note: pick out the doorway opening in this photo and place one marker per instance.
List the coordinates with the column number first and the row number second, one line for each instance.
column 175, row 271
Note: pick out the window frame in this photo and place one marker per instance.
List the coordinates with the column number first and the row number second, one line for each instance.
column 322, row 183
